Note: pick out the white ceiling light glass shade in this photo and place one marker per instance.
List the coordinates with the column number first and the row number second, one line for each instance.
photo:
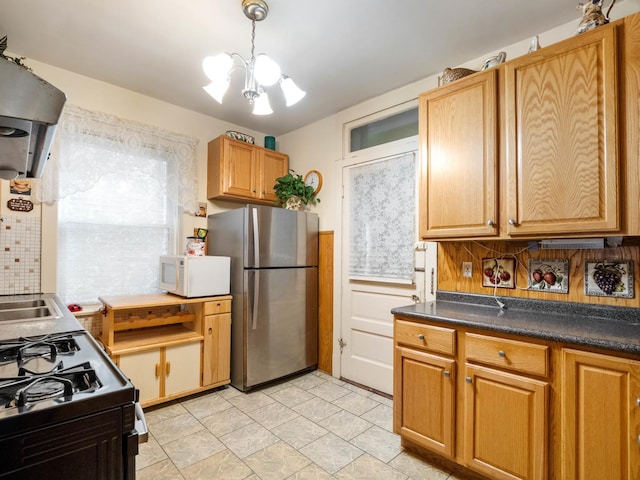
column 261, row 105
column 266, row 71
column 292, row 93
column 217, row 89
column 217, row 67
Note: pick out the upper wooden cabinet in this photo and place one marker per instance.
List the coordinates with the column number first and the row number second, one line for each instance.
column 535, row 147
column 458, row 148
column 562, row 137
column 241, row 172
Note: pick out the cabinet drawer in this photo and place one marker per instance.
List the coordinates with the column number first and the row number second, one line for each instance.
column 509, row 354
column 426, row 337
column 213, row 308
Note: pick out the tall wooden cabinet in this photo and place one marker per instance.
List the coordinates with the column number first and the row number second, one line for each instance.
column 239, row 171
column 531, row 148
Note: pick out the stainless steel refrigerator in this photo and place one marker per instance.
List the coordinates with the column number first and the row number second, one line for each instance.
column 274, row 283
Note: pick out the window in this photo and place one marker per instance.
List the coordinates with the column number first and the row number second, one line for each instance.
column 120, row 189
column 388, row 129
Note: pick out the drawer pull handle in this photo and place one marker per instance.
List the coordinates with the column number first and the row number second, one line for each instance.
column 168, row 367
column 468, row 379
column 502, row 354
column 421, row 336
column 157, row 370
column 447, row 373
column 210, row 331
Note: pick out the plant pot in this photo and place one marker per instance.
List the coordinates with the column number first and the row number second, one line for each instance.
column 294, row 203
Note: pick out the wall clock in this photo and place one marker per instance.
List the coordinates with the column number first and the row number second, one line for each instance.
column 313, row 178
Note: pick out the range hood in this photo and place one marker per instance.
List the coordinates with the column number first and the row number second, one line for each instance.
column 29, row 112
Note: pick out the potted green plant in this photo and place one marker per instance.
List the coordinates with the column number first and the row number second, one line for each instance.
column 292, row 193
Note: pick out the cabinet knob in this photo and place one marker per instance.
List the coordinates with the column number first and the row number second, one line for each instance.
column 502, row 354
column 468, row 379
column 447, row 373
column 421, row 336
column 254, row 190
column 490, row 223
column 638, row 439
column 512, row 221
column 210, row 331
column 638, row 401
column 264, row 191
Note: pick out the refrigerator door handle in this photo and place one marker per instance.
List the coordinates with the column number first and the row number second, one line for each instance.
column 256, row 238
column 253, row 307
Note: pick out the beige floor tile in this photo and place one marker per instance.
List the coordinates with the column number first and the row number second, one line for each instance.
column 277, row 461
column 150, row 452
column 355, row 403
column 226, row 421
column 191, row 449
column 224, row 465
column 379, row 443
column 308, row 381
column 345, row 424
column 158, row 414
column 164, row 470
column 331, row 452
column 316, row 409
column 417, row 469
column 174, row 428
column 329, row 391
column 248, row 440
column 311, row 472
column 368, row 468
column 250, row 402
column 382, row 416
column 299, row 432
column 273, row 415
column 206, row 405
column 291, row 396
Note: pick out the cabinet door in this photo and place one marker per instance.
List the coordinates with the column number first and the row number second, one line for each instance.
column 272, row 165
column 424, row 399
column 561, row 123
column 144, row 370
column 217, row 349
column 505, row 425
column 458, row 149
column 239, row 169
column 601, row 417
column 182, row 368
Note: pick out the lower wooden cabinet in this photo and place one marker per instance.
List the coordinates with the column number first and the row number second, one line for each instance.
column 424, row 399
column 600, row 417
column 216, row 357
column 505, row 424
column 518, row 408
column 163, row 372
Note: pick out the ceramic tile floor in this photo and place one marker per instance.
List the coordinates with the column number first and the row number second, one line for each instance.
column 311, row 427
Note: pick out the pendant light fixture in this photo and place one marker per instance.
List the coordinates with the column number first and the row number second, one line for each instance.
column 260, row 70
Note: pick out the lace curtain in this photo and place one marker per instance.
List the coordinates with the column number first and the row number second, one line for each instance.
column 383, row 220
column 81, row 138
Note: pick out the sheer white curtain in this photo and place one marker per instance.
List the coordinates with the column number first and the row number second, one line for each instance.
column 383, row 220
column 120, row 187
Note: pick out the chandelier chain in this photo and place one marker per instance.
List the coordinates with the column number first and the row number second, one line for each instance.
column 253, row 39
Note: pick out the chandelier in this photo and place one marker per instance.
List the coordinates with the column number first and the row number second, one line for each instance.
column 260, row 70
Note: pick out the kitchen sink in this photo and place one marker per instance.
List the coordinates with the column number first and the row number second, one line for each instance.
column 34, row 309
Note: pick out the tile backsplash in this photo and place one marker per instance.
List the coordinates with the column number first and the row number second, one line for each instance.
column 20, row 256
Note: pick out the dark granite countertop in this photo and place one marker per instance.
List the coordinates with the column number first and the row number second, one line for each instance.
column 611, row 328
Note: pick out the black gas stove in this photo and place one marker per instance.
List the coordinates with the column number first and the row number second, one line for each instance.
column 66, row 411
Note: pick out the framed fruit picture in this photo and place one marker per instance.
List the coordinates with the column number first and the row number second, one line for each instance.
column 609, row 278
column 549, row 275
column 499, row 272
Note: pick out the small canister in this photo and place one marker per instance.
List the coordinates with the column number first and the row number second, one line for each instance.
column 195, row 247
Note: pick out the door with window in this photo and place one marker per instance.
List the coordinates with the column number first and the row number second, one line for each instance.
column 379, row 231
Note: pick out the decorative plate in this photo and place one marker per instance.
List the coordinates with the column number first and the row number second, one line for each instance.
column 243, row 137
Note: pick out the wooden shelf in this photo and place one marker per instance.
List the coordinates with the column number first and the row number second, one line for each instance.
column 153, row 337
column 126, row 302
column 152, row 320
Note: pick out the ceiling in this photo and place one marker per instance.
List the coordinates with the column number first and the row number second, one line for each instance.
column 341, row 52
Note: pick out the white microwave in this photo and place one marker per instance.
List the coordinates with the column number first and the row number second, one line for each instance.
column 202, row 276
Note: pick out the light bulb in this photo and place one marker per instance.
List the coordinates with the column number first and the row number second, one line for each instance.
column 217, row 67
column 292, row 93
column 266, row 71
column 261, row 105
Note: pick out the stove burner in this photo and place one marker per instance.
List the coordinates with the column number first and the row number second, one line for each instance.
column 47, row 346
